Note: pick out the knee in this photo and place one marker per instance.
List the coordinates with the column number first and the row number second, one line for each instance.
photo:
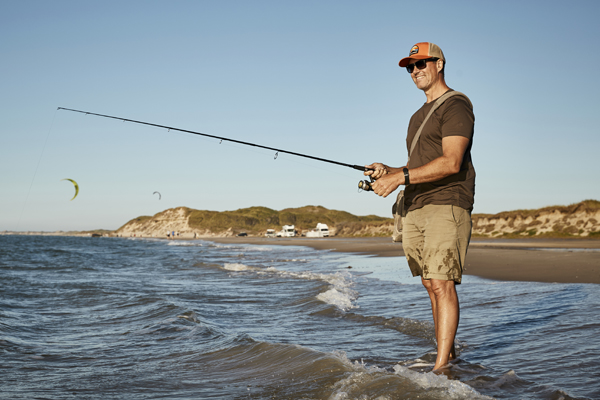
column 442, row 288
column 427, row 284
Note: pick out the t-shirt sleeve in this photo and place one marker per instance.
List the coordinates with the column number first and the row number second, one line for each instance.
column 458, row 118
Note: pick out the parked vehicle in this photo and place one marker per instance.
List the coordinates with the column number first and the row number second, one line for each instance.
column 322, row 230
column 287, row 231
column 270, row 233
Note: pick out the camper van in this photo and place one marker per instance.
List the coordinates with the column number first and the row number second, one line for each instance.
column 287, row 231
column 322, row 230
column 270, row 233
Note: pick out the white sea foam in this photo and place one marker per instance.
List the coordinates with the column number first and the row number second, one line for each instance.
column 238, row 267
column 336, row 298
column 242, row 248
column 184, row 243
column 338, row 294
column 369, row 376
column 455, row 389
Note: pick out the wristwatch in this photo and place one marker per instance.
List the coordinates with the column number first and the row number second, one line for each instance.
column 406, row 177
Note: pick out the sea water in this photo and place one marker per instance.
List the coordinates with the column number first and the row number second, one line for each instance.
column 114, row 318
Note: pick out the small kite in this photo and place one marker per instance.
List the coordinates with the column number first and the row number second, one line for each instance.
column 159, row 196
column 76, row 186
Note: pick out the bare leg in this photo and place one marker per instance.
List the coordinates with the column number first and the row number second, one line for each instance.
column 446, row 314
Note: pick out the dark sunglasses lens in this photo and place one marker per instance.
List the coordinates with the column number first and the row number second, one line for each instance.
column 421, row 64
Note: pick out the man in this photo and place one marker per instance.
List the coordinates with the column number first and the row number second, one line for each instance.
column 439, row 193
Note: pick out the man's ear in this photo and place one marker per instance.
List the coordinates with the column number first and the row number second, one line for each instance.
column 439, row 65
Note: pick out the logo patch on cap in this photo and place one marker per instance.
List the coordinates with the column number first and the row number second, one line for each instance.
column 414, row 50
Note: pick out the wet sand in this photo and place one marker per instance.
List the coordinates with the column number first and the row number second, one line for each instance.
column 535, row 260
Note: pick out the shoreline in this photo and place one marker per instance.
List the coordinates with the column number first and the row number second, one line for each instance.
column 525, row 260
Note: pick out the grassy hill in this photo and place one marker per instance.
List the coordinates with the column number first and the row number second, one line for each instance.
column 256, row 220
column 576, row 220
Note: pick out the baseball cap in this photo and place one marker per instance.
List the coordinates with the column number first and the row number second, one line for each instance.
column 421, row 51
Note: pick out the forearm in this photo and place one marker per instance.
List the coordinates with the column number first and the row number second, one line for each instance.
column 447, row 164
column 395, row 170
column 433, row 171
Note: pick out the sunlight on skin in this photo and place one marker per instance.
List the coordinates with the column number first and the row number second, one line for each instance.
column 446, row 314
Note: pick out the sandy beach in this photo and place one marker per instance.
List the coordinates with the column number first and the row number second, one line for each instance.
column 534, row 260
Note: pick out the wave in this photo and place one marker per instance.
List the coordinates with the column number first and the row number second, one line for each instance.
column 291, row 371
column 339, row 293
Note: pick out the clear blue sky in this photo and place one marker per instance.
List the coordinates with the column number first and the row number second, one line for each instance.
column 314, row 77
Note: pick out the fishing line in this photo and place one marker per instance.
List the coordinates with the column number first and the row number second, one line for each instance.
column 36, row 170
column 277, row 151
column 276, row 157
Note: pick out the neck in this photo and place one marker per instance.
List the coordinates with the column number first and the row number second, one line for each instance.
column 436, row 90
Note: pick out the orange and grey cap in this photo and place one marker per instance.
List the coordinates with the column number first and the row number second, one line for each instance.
column 422, row 51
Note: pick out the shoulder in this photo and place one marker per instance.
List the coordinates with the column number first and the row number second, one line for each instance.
column 457, row 98
column 456, row 116
column 458, row 105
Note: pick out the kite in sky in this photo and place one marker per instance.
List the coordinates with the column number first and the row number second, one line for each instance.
column 76, row 186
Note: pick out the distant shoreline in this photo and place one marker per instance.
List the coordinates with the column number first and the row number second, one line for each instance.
column 531, row 260
column 568, row 260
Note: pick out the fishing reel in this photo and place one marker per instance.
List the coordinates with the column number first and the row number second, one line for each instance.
column 366, row 185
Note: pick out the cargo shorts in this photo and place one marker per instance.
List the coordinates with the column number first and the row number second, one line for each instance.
column 435, row 239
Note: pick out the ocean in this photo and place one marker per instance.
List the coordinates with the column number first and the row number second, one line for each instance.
column 115, row 318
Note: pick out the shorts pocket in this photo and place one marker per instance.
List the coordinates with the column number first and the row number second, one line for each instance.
column 453, row 214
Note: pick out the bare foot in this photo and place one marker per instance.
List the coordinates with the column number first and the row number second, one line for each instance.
column 443, row 370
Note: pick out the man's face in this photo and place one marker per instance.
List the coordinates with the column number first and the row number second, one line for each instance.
column 425, row 78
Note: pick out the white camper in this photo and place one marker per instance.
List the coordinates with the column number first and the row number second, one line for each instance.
column 322, row 230
column 288, row 231
column 270, row 233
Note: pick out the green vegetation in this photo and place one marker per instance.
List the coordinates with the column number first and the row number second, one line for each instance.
column 547, row 235
column 257, row 219
column 250, row 220
column 140, row 219
column 586, row 206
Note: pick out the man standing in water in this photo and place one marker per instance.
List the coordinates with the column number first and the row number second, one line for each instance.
column 439, row 193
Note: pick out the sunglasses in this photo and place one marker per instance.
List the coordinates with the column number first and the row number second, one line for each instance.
column 421, row 64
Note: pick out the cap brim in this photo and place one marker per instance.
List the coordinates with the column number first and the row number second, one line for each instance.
column 406, row 60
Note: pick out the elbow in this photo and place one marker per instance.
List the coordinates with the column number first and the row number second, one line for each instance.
column 453, row 166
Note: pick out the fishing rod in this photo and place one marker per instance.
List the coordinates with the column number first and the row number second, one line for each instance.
column 364, row 185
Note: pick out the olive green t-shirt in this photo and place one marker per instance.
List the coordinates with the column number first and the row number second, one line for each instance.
column 453, row 118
